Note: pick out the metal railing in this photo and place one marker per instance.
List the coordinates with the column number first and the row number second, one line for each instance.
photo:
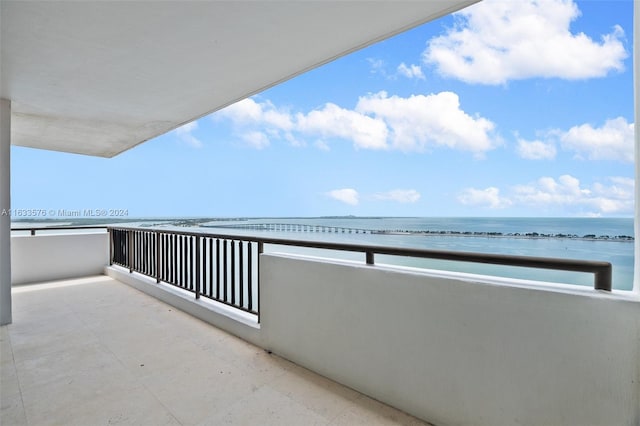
column 33, row 229
column 225, row 268
column 219, row 267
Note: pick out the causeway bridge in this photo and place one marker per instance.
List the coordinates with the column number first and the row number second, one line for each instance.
column 296, row 227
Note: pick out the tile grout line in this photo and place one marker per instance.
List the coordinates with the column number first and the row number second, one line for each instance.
column 125, row 368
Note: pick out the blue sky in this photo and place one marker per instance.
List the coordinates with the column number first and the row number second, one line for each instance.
column 505, row 109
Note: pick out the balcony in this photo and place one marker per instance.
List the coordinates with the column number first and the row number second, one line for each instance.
column 447, row 348
column 85, row 347
column 93, row 351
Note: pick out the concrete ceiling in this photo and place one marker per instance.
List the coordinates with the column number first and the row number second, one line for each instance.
column 99, row 77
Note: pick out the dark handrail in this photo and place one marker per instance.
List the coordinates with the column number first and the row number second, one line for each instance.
column 33, row 229
column 602, row 270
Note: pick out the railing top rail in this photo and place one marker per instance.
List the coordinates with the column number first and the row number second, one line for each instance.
column 602, row 270
column 58, row 228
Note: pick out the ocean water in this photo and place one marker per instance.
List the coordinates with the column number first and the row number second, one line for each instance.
column 603, row 239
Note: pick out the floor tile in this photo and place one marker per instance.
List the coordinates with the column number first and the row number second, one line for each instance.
column 94, row 351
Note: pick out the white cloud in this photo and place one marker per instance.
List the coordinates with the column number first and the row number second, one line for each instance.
column 248, row 111
column 496, row 41
column 411, row 71
column 256, row 139
column 489, row 197
column 334, row 121
column 322, row 146
column 568, row 192
column 184, row 133
column 618, row 197
column 416, row 123
column 345, row 195
column 255, row 120
column 613, row 141
column 377, row 66
column 399, row 195
column 421, row 122
column 536, row 150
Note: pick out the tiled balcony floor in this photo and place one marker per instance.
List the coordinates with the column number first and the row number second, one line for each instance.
column 94, row 351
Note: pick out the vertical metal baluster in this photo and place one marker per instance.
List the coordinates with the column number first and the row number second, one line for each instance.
column 188, row 275
column 249, row 276
column 130, row 249
column 241, row 272
column 187, row 263
column 224, row 268
column 203, row 264
column 144, row 253
column 109, row 230
column 233, row 272
column 191, row 264
column 369, row 258
column 136, row 251
column 173, row 259
column 189, row 281
column 198, row 263
column 157, row 239
column 183, row 261
column 168, row 259
column 210, row 267
column 260, row 251
column 163, row 257
column 179, row 258
column 217, row 269
column 124, row 235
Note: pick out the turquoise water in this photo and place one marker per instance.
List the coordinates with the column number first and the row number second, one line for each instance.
column 606, row 246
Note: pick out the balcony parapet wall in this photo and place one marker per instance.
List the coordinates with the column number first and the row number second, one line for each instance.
column 47, row 257
column 456, row 350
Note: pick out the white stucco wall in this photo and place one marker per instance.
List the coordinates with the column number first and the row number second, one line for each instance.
column 51, row 257
column 454, row 351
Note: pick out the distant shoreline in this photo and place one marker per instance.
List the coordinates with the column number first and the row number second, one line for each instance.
column 528, row 235
column 239, row 223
